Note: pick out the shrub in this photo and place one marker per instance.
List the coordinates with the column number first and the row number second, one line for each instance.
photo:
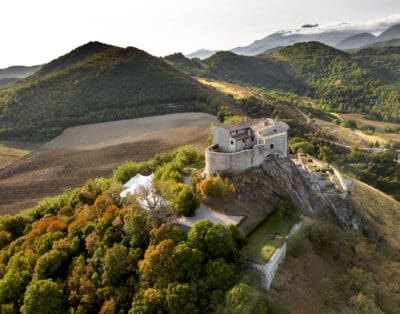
column 216, row 187
column 125, row 171
column 185, row 201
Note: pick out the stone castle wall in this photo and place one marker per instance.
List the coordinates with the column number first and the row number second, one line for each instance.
column 217, row 161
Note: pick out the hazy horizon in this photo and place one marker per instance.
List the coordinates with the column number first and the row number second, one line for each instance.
column 37, row 32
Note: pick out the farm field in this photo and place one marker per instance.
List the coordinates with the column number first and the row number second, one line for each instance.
column 347, row 136
column 378, row 125
column 71, row 159
column 9, row 154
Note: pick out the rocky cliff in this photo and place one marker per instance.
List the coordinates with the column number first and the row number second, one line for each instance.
column 279, row 177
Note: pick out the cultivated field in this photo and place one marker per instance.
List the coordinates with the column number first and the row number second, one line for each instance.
column 10, row 152
column 91, row 151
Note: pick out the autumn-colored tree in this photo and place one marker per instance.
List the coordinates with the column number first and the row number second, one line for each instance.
column 158, row 265
column 166, row 231
column 216, row 187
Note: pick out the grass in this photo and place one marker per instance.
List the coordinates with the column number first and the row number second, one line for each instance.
column 237, row 91
column 348, row 136
column 264, row 240
column 380, row 209
column 10, row 154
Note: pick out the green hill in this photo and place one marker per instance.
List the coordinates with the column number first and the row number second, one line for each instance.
column 98, row 82
column 346, row 82
column 333, row 76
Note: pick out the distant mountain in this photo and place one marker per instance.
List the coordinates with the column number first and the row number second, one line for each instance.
column 388, row 43
column 201, row 54
column 18, row 72
column 343, row 37
column 391, row 33
column 287, row 38
column 98, row 82
column 356, row 41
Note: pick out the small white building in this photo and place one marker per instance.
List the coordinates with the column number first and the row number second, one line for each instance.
column 245, row 144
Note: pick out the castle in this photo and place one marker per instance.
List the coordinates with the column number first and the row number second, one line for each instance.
column 245, row 144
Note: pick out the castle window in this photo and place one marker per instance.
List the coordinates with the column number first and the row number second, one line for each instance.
column 252, row 139
column 275, row 130
column 271, row 146
column 231, row 142
column 243, row 141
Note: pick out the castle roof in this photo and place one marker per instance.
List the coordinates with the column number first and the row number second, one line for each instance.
column 241, row 125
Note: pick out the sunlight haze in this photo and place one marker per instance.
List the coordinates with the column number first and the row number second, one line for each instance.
column 34, row 32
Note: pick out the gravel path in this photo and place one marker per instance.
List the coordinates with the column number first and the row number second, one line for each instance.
column 204, row 213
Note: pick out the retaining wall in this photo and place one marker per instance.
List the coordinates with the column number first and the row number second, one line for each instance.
column 267, row 271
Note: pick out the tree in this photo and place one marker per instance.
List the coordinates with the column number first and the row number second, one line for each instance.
column 136, row 230
column 43, row 296
column 115, row 264
column 244, row 299
column 180, row 298
column 49, row 263
column 185, row 201
column 214, row 240
column 326, row 154
column 158, row 265
column 166, row 231
column 220, row 274
column 188, row 261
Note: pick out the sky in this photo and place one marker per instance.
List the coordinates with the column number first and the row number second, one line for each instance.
column 37, row 31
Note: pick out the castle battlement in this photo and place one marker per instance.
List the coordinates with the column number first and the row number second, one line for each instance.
column 245, row 144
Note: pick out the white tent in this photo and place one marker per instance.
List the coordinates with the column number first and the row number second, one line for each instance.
column 136, row 183
column 140, row 183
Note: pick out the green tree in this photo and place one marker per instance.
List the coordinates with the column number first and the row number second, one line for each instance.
column 214, row 240
column 43, row 296
column 220, row 274
column 189, row 261
column 180, row 298
column 326, row 154
column 244, row 299
column 115, row 264
column 185, row 201
column 136, row 230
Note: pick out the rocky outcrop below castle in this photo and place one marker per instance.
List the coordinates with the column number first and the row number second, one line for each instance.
column 278, row 177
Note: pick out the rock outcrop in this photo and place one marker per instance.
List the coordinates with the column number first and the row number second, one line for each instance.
column 279, row 177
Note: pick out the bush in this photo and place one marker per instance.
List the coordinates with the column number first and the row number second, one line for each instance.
column 216, row 187
column 125, row 171
column 185, row 201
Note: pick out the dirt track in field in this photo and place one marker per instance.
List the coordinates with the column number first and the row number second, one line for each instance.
column 93, row 151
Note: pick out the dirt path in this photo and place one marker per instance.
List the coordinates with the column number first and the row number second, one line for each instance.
column 50, row 171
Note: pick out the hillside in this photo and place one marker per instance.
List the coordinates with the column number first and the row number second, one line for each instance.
column 18, row 72
column 356, row 41
column 334, row 270
column 98, row 82
column 92, row 251
column 341, row 80
column 392, row 32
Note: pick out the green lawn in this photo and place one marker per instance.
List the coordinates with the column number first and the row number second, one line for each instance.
column 263, row 241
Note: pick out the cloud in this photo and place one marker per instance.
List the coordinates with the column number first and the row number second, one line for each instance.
column 375, row 26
